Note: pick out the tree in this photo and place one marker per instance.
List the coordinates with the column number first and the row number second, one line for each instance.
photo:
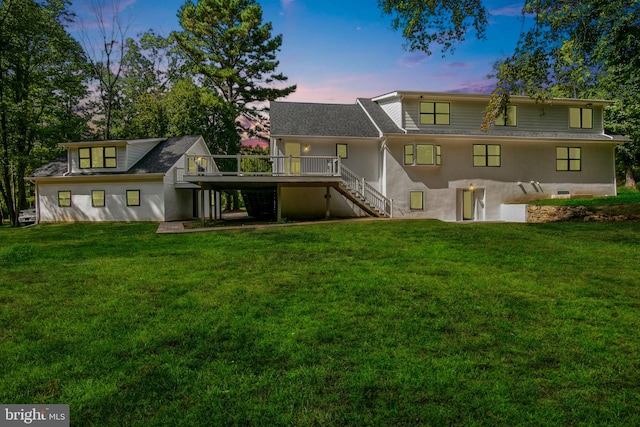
column 443, row 22
column 152, row 66
column 234, row 53
column 41, row 83
column 105, row 54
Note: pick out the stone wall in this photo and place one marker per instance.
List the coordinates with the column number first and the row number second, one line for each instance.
column 539, row 214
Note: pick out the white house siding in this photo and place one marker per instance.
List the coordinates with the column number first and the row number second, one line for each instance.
column 151, row 201
column 393, row 108
column 178, row 203
column 521, row 162
column 467, row 115
column 138, row 149
column 363, row 154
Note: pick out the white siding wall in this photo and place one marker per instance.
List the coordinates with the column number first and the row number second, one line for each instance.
column 393, row 108
column 521, row 162
column 468, row 116
column 151, row 202
column 136, row 151
column 363, row 154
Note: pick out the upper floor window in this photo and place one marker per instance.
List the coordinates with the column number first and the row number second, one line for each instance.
column 487, row 155
column 342, row 150
column 580, row 118
column 98, row 157
column 435, row 113
column 568, row 158
column 422, row 155
column 509, row 117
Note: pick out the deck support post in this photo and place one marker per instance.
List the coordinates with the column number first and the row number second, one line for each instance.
column 202, row 204
column 278, row 203
column 327, row 198
column 211, row 206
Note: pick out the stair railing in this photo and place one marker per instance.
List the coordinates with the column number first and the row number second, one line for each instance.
column 365, row 191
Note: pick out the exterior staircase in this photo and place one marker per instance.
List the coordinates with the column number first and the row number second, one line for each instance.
column 363, row 195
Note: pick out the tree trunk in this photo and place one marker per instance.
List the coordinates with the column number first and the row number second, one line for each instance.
column 630, row 180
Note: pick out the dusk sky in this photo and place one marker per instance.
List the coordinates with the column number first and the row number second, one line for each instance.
column 337, row 51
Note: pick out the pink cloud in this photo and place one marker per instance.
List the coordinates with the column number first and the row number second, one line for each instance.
column 483, row 86
column 413, row 59
column 340, row 89
column 458, row 65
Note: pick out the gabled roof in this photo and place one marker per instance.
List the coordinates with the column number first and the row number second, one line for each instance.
column 56, row 167
column 164, row 155
column 306, row 119
column 157, row 161
column 377, row 114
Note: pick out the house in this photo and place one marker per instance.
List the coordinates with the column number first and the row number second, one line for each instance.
column 425, row 153
column 121, row 180
column 404, row 154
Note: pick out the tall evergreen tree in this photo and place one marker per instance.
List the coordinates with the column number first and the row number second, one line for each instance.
column 234, row 53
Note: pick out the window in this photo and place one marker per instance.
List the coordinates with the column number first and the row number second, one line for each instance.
column 422, row 154
column 342, row 151
column 434, row 113
column 98, row 157
column 580, row 118
column 568, row 158
column 85, row 157
column 486, row 155
column 133, row 197
column 97, row 198
column 64, row 199
column 416, row 200
column 508, row 117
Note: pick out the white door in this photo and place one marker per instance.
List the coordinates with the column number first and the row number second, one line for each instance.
column 292, row 164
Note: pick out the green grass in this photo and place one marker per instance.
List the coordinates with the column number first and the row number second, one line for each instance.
column 356, row 323
column 625, row 197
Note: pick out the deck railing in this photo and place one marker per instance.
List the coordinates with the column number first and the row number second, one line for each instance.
column 248, row 165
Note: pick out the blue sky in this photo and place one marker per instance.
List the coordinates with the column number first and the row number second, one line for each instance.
column 339, row 50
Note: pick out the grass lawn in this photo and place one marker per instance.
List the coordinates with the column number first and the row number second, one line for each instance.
column 625, row 197
column 357, row 323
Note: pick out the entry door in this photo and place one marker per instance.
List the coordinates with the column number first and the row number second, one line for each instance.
column 468, row 205
column 292, row 166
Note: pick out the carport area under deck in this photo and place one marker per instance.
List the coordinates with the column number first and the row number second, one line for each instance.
column 216, row 184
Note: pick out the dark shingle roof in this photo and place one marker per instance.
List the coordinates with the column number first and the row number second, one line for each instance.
column 381, row 119
column 56, row 167
column 158, row 160
column 306, row 119
column 164, row 155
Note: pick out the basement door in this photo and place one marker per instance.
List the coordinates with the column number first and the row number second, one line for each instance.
column 468, row 205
